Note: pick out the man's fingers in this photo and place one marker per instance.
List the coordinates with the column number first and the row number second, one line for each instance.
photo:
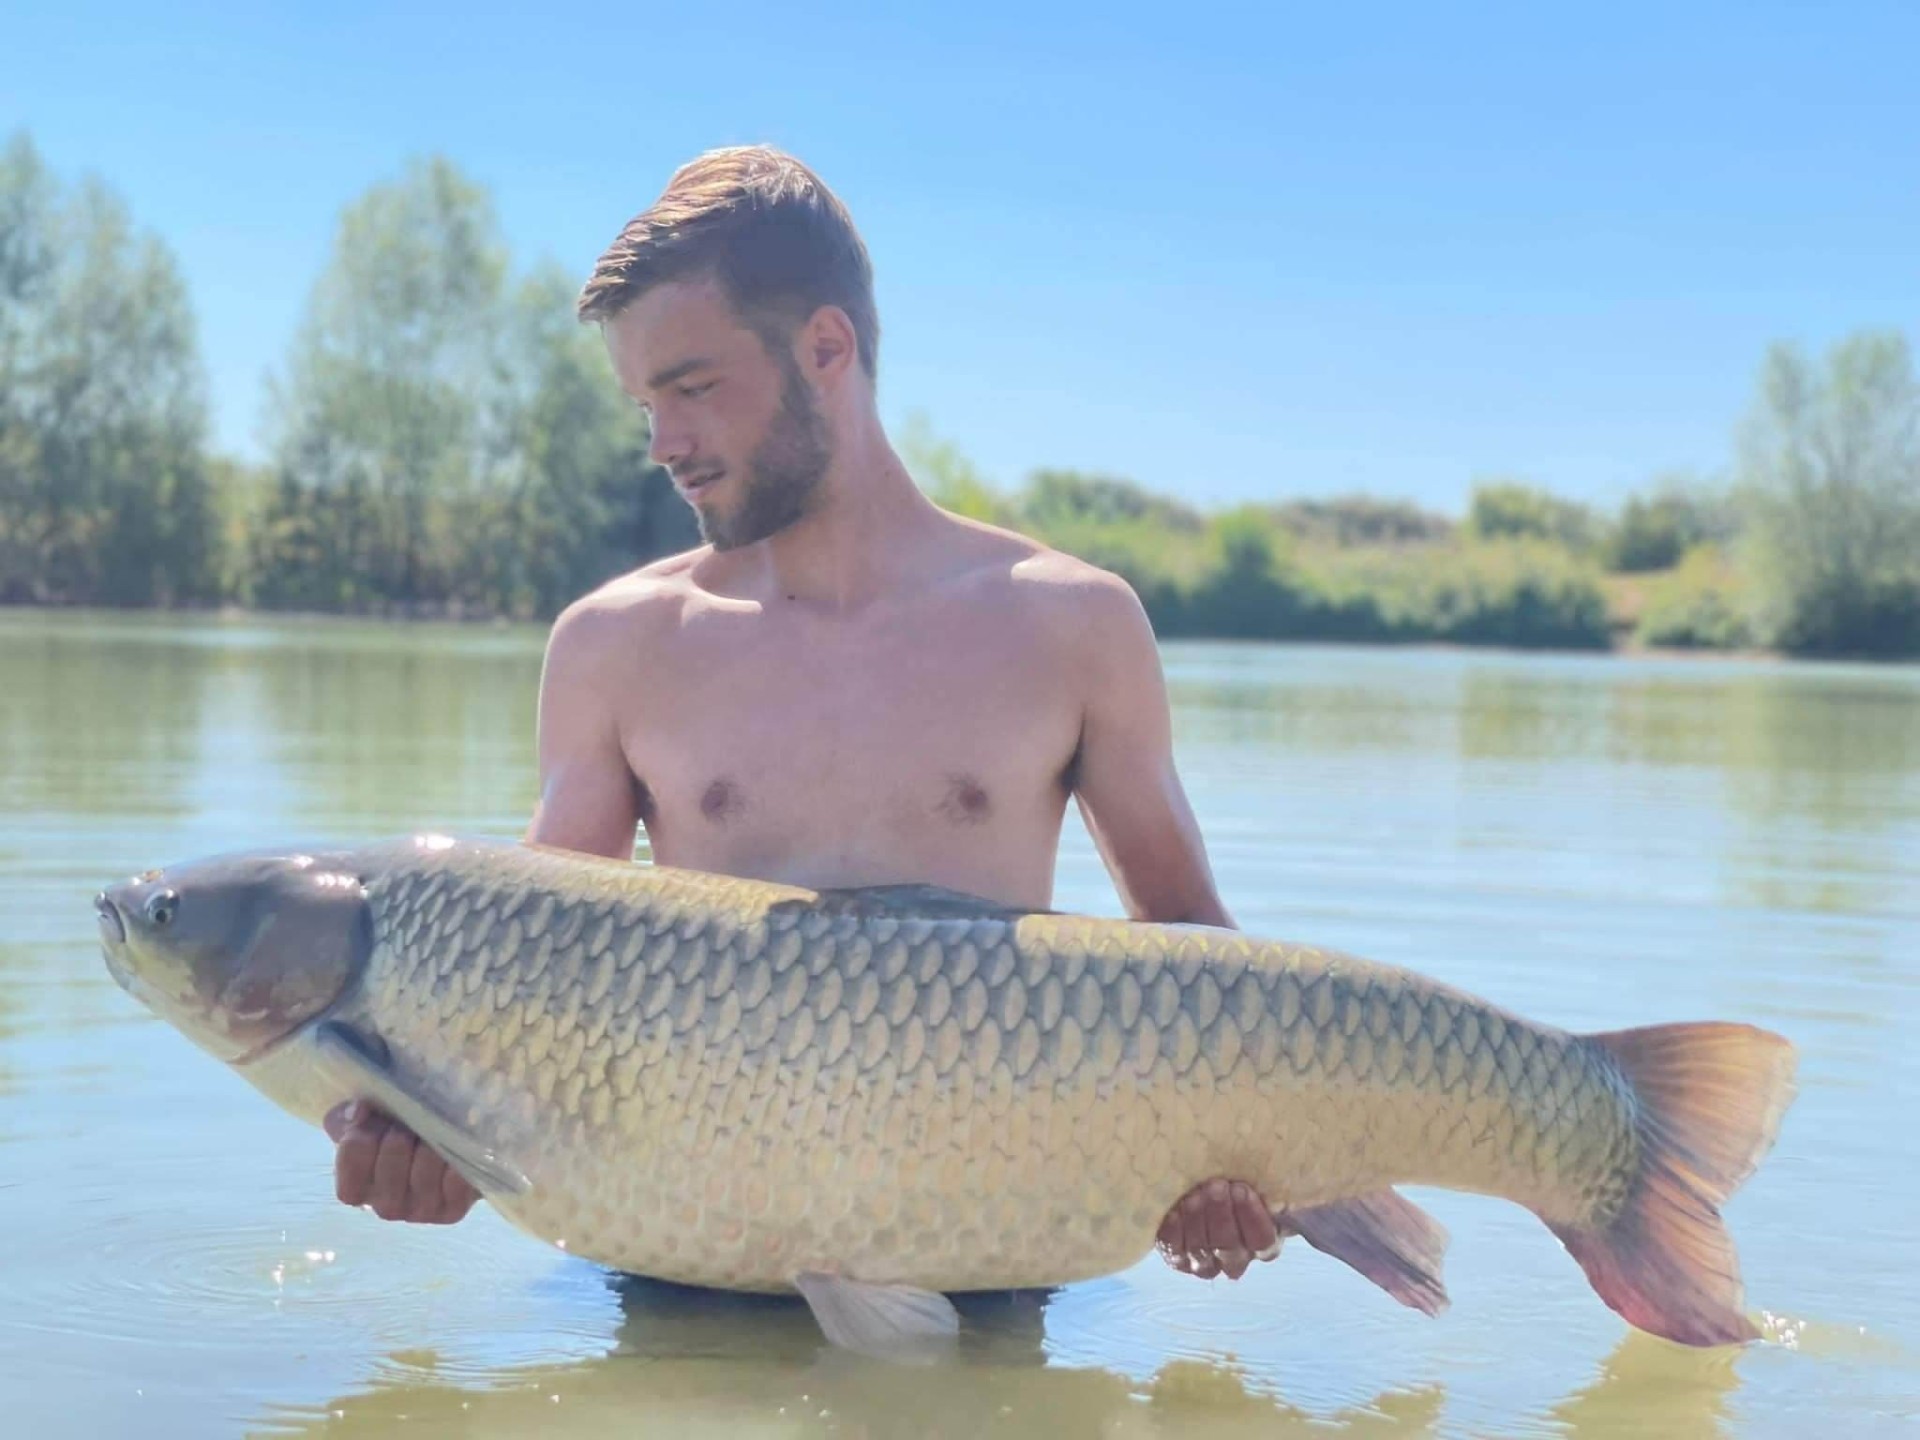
column 392, row 1167
column 424, row 1184
column 1193, row 1221
column 353, row 1162
column 1226, row 1252
column 1173, row 1239
column 1255, row 1222
column 340, row 1119
column 383, row 1165
column 1218, row 1229
column 1191, row 1226
column 1173, row 1234
column 457, row 1197
column 1185, row 1237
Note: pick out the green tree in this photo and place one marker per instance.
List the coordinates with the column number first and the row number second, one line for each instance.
column 1056, row 498
column 581, row 501
column 1349, row 520
column 1832, row 462
column 1506, row 510
column 1699, row 604
column 385, row 420
column 449, row 437
column 104, row 490
column 1654, row 531
column 1248, row 591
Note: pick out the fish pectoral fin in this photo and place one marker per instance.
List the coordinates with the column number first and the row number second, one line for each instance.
column 359, row 1068
column 1386, row 1237
column 888, row 1322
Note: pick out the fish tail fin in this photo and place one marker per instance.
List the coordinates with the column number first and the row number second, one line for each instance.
column 1709, row 1098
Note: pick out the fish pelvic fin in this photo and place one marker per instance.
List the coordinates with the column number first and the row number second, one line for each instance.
column 883, row 1322
column 1384, row 1236
column 1710, row 1098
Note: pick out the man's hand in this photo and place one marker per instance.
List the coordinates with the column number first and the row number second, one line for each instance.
column 382, row 1164
column 1219, row 1227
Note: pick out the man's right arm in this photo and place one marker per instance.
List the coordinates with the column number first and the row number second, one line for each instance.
column 589, row 801
column 589, row 798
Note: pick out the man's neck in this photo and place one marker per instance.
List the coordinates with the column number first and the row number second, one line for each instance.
column 863, row 538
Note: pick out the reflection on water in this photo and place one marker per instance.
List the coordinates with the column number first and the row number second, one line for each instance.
column 108, row 727
column 1595, row 842
column 1646, row 1386
column 697, row 1363
column 382, row 735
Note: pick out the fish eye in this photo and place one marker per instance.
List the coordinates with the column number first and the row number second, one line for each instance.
column 161, row 906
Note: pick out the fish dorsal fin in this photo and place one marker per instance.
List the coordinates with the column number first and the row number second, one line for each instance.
column 358, row 1068
column 929, row 902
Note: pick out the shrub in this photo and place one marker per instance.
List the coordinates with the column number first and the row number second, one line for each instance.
column 1702, row 604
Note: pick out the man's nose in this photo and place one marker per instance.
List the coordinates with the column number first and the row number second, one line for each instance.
column 669, row 446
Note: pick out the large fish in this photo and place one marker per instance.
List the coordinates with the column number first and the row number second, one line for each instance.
column 875, row 1096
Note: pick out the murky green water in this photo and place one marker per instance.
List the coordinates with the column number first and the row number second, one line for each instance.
column 1594, row 842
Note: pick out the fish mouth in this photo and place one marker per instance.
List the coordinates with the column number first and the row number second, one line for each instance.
column 113, row 930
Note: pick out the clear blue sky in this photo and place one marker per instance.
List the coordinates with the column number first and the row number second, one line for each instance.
column 1232, row 253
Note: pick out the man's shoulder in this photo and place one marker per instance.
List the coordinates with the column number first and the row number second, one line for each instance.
column 1040, row 575
column 1057, row 589
column 630, row 606
column 1090, row 620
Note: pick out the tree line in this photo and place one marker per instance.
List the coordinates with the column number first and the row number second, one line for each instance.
column 444, row 439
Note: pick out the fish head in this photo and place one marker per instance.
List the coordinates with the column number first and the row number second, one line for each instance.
column 238, row 952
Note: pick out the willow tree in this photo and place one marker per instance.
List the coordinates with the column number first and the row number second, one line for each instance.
column 383, row 418
column 448, row 435
column 1831, row 463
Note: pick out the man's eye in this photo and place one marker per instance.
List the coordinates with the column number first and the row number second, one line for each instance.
column 694, row 392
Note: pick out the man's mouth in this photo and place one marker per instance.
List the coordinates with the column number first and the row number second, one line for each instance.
column 694, row 484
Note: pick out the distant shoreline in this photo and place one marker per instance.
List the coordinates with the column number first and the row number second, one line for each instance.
column 454, row 618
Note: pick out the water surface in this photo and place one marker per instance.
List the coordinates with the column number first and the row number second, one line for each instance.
column 1595, row 842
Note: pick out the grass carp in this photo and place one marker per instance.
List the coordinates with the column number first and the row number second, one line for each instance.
column 877, row 1096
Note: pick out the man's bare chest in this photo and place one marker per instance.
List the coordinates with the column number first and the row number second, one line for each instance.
column 756, row 751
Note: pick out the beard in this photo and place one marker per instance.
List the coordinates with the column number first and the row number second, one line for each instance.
column 783, row 474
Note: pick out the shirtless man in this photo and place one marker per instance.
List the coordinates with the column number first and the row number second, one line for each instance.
column 846, row 685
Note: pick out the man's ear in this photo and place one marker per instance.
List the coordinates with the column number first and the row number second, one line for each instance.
column 827, row 344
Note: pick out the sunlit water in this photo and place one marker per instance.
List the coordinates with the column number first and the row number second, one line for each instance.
column 1594, row 842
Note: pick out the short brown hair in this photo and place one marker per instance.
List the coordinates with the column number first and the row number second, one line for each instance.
column 780, row 243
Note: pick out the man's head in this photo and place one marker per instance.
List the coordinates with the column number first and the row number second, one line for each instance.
column 738, row 309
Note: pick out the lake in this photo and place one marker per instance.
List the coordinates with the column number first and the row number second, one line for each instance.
column 1596, row 842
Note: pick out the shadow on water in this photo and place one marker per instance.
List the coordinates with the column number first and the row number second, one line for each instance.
column 709, row 1362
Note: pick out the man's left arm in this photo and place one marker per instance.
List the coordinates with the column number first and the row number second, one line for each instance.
column 1125, row 780
column 1136, row 810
